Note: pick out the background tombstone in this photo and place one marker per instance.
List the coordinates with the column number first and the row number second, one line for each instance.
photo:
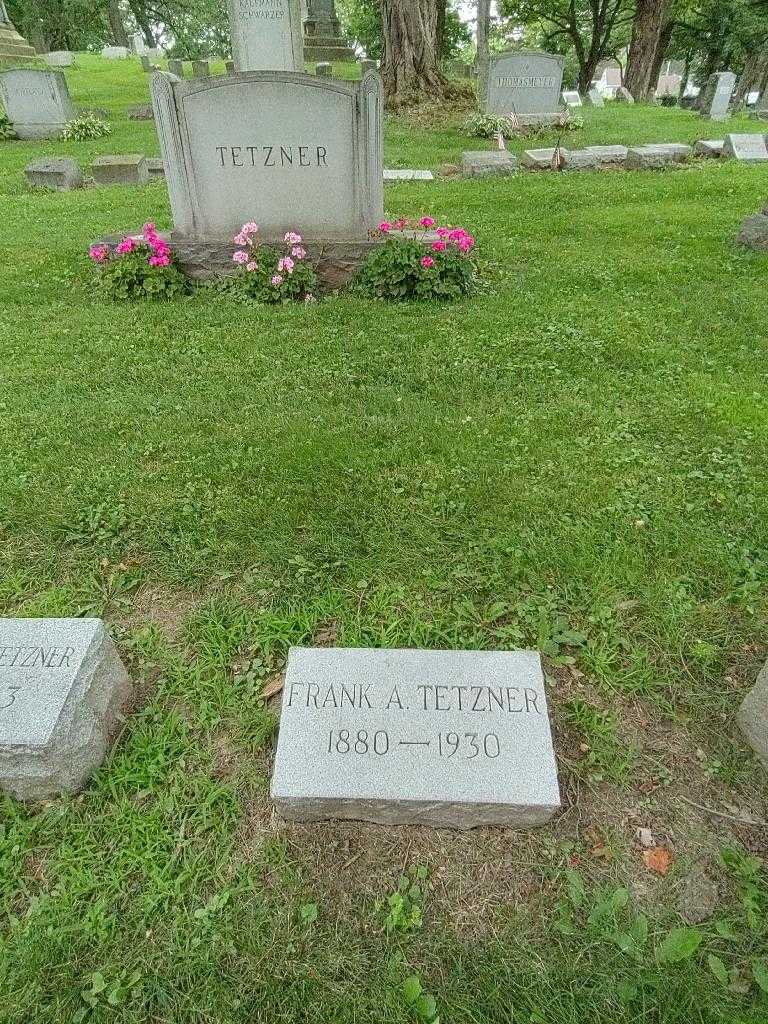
column 176, row 67
column 62, row 689
column 571, row 98
column 623, row 95
column 229, row 67
column 60, row 59
column 748, row 147
column 266, row 35
column 595, row 98
column 115, row 52
column 525, row 82
column 58, row 173
column 201, row 69
column 128, row 169
column 324, row 69
column 718, row 95
column 290, row 151
column 442, row 738
column 146, row 63
column 323, row 40
column 36, row 102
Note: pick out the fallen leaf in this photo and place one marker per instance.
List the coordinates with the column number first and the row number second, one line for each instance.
column 273, row 686
column 645, row 837
column 658, row 859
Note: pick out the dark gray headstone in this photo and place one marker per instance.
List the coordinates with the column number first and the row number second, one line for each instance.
column 525, row 82
column 622, row 95
column 324, row 69
column 717, row 95
column 127, row 169
column 200, row 69
column 176, row 67
column 443, row 738
column 62, row 689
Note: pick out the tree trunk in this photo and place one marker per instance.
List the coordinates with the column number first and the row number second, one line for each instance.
column 751, row 78
column 119, row 34
column 441, row 12
column 483, row 49
column 711, row 63
column 665, row 37
column 644, row 45
column 142, row 20
column 587, row 68
column 410, row 59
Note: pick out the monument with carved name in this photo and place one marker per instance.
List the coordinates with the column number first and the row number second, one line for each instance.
column 525, row 83
column 323, row 39
column 266, row 35
column 13, row 46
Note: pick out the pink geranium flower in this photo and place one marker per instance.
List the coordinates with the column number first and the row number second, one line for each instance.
column 292, row 238
column 241, row 256
column 298, row 253
column 159, row 261
column 252, row 265
column 385, row 226
column 427, row 262
column 286, row 265
column 277, row 280
column 127, row 245
column 439, row 246
column 99, row 253
column 427, row 222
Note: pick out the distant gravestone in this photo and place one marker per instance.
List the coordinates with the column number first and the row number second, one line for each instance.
column 36, row 102
column 229, row 67
column 571, row 98
column 595, row 98
column 62, row 689
column 266, row 35
column 407, row 174
column 200, row 69
column 748, row 147
column 753, row 715
column 60, row 59
column 622, row 95
column 406, row 737
column 368, row 65
column 484, row 163
column 314, row 165
column 146, row 63
column 142, row 112
column 524, row 82
column 176, row 67
column 115, row 52
column 127, row 169
column 324, row 69
column 58, row 173
column 155, row 167
column 717, row 98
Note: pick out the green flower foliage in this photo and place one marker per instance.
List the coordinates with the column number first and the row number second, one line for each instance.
column 85, row 127
column 486, row 126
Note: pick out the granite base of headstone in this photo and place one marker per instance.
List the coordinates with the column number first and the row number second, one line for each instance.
column 62, row 691
column 752, row 717
column 746, row 147
column 709, row 148
column 486, row 163
column 455, row 739
column 155, row 167
column 126, row 169
column 753, row 233
column 60, row 174
column 36, row 102
column 656, row 157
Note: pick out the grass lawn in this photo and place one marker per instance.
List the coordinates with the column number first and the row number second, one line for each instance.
column 575, row 460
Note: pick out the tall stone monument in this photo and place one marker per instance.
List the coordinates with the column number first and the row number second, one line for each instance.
column 13, row 46
column 323, row 40
column 717, row 95
column 526, row 83
column 290, row 151
column 266, row 35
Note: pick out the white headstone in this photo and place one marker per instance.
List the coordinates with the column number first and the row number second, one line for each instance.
column 62, row 688
column 595, row 97
column 524, row 82
column 289, row 151
column 748, row 147
column 115, row 52
column 443, row 738
column 718, row 95
column 571, row 98
column 60, row 59
column 266, row 35
column 36, row 102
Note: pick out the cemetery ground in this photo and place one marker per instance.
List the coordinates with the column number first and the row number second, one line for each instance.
column 575, row 461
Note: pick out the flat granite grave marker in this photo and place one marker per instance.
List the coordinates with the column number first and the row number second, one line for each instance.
column 266, row 35
column 58, row 173
column 748, row 147
column 403, row 737
column 62, row 688
column 59, row 59
column 128, row 169
column 571, row 98
column 525, row 82
column 290, row 151
column 709, row 148
column 484, row 163
column 36, row 102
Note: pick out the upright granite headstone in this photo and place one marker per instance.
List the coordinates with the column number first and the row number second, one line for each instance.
column 287, row 150
column 62, row 688
column 405, row 737
column 595, row 98
column 525, row 82
column 201, row 69
column 323, row 40
column 717, row 97
column 60, row 59
column 176, row 67
column 266, row 35
column 623, row 95
column 36, row 102
column 571, row 98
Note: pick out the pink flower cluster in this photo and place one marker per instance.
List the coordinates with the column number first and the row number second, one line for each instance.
column 246, row 237
column 160, row 251
column 447, row 237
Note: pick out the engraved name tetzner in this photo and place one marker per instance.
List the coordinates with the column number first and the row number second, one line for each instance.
column 485, row 699
column 272, row 156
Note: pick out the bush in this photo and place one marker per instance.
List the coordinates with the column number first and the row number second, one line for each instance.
column 405, row 268
column 486, row 126
column 84, row 127
column 266, row 275
column 139, row 268
column 6, row 128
